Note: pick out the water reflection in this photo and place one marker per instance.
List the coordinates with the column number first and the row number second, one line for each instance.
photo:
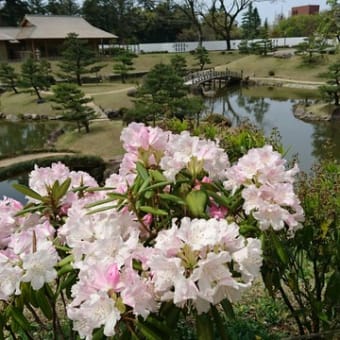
column 20, row 136
column 269, row 109
column 17, row 137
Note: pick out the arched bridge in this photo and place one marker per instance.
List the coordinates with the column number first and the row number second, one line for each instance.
column 211, row 76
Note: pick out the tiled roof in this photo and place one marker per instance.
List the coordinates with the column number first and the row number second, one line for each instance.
column 58, row 27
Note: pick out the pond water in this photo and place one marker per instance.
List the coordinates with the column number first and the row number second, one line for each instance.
column 22, row 137
column 269, row 108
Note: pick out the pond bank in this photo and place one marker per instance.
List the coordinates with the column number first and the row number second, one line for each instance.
column 307, row 112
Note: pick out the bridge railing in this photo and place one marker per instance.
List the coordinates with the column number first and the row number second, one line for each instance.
column 201, row 76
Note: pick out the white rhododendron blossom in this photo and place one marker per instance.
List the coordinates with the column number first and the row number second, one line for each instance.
column 192, row 262
column 166, row 230
column 186, row 152
column 10, row 277
column 268, row 191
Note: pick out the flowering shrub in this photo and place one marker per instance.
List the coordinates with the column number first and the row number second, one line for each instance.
column 175, row 232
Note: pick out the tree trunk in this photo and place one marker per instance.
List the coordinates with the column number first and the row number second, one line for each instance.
column 37, row 92
column 86, row 125
column 78, row 79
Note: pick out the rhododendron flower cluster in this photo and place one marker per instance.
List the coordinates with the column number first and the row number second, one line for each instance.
column 269, row 192
column 166, row 229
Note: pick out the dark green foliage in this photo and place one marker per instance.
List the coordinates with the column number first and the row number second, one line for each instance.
column 297, row 26
column 37, row 6
column 12, row 12
column 305, row 270
column 76, row 57
column 310, row 49
column 243, row 47
column 63, row 7
column 8, row 76
column 331, row 91
column 123, row 64
column 202, row 57
column 36, row 74
column 179, row 64
column 251, row 23
column 72, row 103
column 164, row 95
column 92, row 164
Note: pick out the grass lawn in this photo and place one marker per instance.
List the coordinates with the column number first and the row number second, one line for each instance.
column 24, row 102
column 291, row 68
column 103, row 140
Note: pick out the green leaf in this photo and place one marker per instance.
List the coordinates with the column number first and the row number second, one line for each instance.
column 144, row 185
column 172, row 198
column 27, row 191
column 2, row 326
column 142, row 172
column 153, row 211
column 30, row 209
column 61, row 190
column 157, row 176
column 159, row 326
column 69, row 281
column 19, row 318
column 65, row 269
column 280, row 250
column 44, row 304
column 197, row 201
column 148, row 331
column 65, row 261
column 171, row 313
column 228, row 309
column 219, row 199
column 219, row 323
column 100, row 202
column 204, row 327
column 156, row 185
column 332, row 294
column 95, row 211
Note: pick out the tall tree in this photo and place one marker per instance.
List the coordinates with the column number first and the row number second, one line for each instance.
column 63, row 7
column 192, row 9
column 8, row 76
column 251, row 23
column 117, row 16
column 12, row 12
column 37, row 6
column 223, row 15
column 123, row 64
column 35, row 74
column 71, row 101
column 76, row 56
column 161, row 93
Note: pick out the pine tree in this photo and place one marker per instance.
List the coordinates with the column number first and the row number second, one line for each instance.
column 76, row 56
column 202, row 57
column 251, row 23
column 331, row 91
column 123, row 64
column 36, row 74
column 37, row 6
column 71, row 101
column 8, row 76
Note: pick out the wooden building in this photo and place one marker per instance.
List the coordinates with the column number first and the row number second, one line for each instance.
column 43, row 36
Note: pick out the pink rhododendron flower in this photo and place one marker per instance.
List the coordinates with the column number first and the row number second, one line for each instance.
column 8, row 222
column 268, row 191
column 184, row 151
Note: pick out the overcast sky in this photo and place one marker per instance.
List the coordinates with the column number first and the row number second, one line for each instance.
column 269, row 9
